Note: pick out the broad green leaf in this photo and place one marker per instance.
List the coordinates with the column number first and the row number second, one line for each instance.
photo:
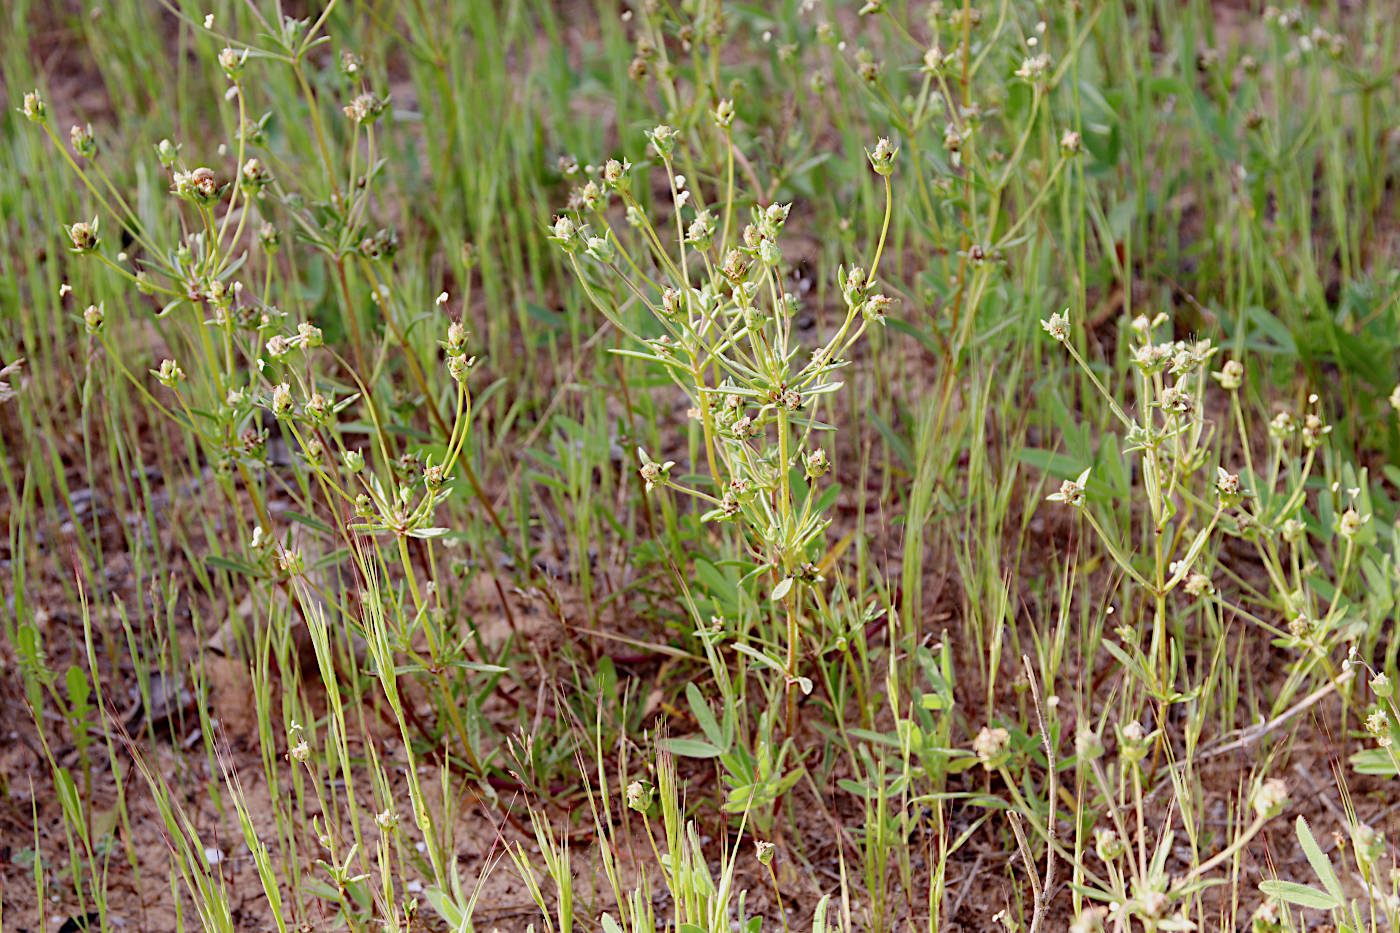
column 1300, row 894
column 1320, row 863
column 689, row 748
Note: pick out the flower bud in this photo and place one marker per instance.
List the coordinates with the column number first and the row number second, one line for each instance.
column 764, row 851
column 92, row 318
column 354, row 461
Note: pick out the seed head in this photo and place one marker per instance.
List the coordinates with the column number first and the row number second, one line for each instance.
column 458, row 366
column 1369, row 845
column 199, row 186
column 1134, row 742
column 1033, row 69
column 169, row 373
column 1057, row 326
column 654, row 474
column 1228, row 486
column 1108, row 845
column 663, row 140
column 1071, row 491
column 1088, row 920
column 1282, row 426
column 615, row 174
column 882, row 156
column 309, row 335
column 364, row 109
column 270, row 239
column 1378, row 724
column 817, row 463
column 1349, row 523
column 1087, row 744
column 83, row 235
column 701, row 230
column 318, row 409
column 990, row 747
column 456, row 337
column 1314, row 430
column 640, row 796
column 600, row 248
column 33, row 107
column 92, row 318
column 350, row 65
column 313, row 453
column 1270, row 799
column 1230, row 376
column 232, row 63
column 672, row 302
column 1198, row 585
column 282, row 404
column 1177, row 400
column 935, row 61
column 167, row 152
column 565, row 233
column 724, row 114
column 254, row 177
column 81, row 139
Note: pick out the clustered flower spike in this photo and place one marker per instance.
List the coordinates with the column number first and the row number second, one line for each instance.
column 33, row 107
column 364, row 109
column 82, row 141
column 653, row 473
column 1057, row 326
column 1270, row 799
column 882, row 156
column 1071, row 491
column 83, row 236
column 990, row 747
